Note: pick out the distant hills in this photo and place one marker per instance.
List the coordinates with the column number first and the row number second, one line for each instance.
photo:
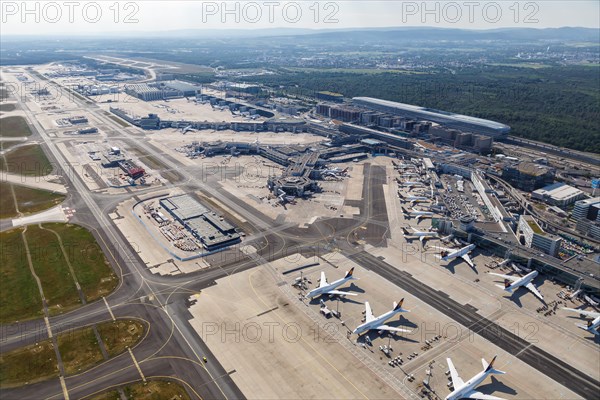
column 361, row 34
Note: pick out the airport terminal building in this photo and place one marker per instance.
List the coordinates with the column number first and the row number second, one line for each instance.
column 464, row 123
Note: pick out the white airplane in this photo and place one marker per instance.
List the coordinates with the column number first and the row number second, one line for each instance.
column 334, row 172
column 416, row 213
column 412, row 184
column 512, row 282
column 466, row 390
column 187, row 129
column 593, row 324
column 412, row 199
column 329, row 288
column 423, row 236
column 372, row 323
column 449, row 254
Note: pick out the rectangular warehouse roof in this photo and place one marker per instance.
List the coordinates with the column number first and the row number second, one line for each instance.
column 430, row 114
column 558, row 191
column 183, row 207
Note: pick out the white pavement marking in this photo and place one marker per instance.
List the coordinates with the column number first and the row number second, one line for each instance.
column 109, row 310
column 524, row 348
column 64, row 388
column 136, row 364
column 47, row 321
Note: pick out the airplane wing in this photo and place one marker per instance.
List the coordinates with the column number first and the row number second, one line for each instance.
column 368, row 312
column 339, row 292
column 591, row 314
column 456, row 380
column 468, row 260
column 323, row 279
column 510, row 278
column 478, row 395
column 534, row 290
column 391, row 329
column 440, row 249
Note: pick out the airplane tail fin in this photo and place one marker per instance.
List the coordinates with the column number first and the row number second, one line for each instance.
column 506, row 284
column 400, row 195
column 350, row 274
column 489, row 368
column 444, row 253
column 406, row 232
column 404, row 210
column 398, row 306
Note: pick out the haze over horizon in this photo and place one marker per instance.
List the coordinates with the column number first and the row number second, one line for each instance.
column 93, row 18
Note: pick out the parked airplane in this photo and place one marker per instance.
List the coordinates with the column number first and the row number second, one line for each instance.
column 423, row 236
column 412, row 184
column 512, row 282
column 466, row 390
column 416, row 213
column 334, row 172
column 412, row 199
column 593, row 324
column 329, row 288
column 187, row 129
column 449, row 254
column 372, row 323
column 283, row 198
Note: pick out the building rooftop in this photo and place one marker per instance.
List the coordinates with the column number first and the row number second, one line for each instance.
column 184, row 206
column 434, row 113
column 532, row 169
column 533, row 224
column 591, row 201
column 558, row 191
column 181, row 85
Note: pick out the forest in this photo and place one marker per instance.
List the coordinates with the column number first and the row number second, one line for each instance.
column 556, row 105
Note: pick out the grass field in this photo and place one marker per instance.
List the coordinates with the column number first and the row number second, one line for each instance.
column 19, row 295
column 5, row 145
column 28, row 160
column 8, row 107
column 30, row 200
column 78, row 348
column 20, row 299
column 115, row 341
column 92, row 270
column 13, row 126
column 34, row 363
column 50, row 266
column 7, row 203
column 155, row 389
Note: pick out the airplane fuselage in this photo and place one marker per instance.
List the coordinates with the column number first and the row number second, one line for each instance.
column 459, row 253
column 376, row 322
column 523, row 281
column 333, row 285
column 471, row 384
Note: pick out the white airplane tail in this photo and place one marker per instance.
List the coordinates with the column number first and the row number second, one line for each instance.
column 489, row 368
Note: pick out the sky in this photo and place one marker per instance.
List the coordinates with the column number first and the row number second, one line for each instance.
column 84, row 17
